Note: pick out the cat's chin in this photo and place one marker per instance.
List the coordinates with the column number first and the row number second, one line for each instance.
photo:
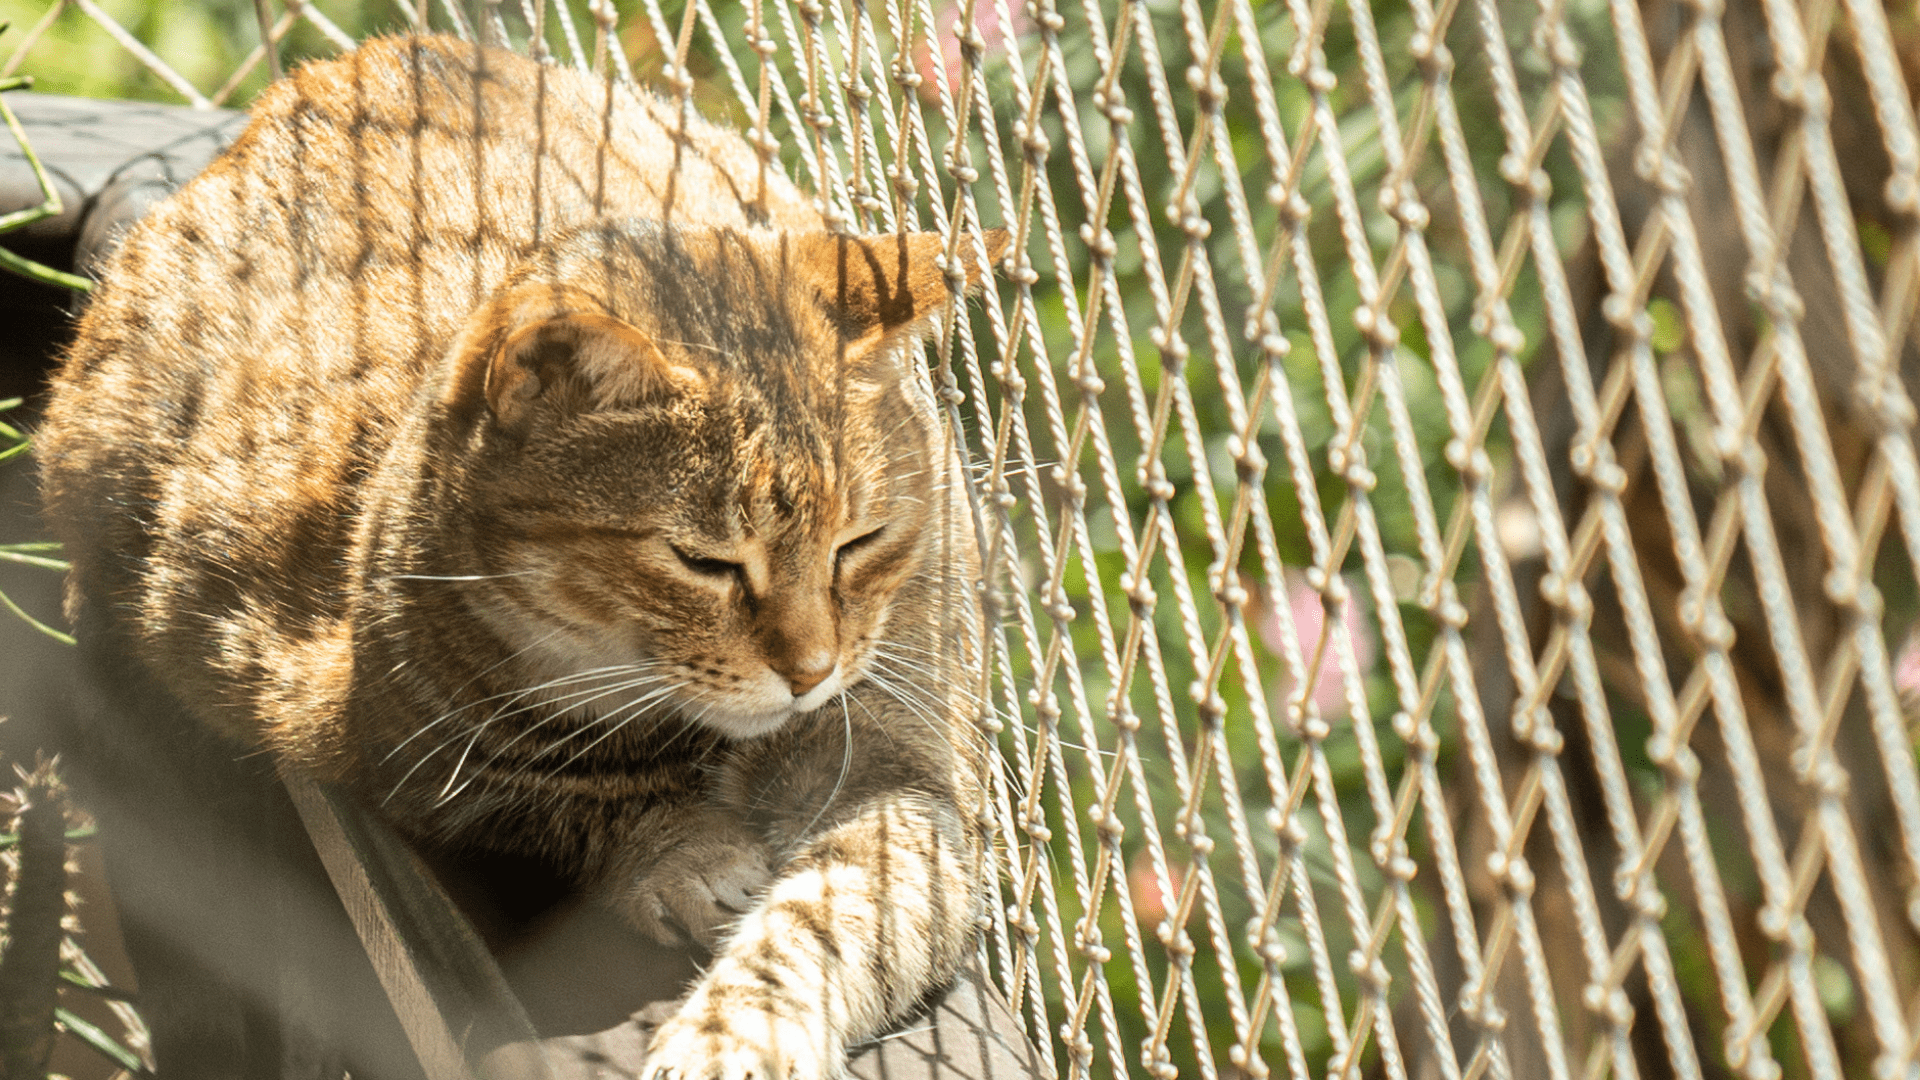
column 746, row 724
column 736, row 722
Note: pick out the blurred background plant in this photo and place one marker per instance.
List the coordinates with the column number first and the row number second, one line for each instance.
column 58, row 1010
column 215, row 45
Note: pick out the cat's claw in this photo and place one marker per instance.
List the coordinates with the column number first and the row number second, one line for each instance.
column 738, row 1044
column 700, row 890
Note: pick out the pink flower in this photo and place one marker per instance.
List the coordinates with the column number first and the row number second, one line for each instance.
column 1906, row 666
column 1307, row 611
column 1149, row 906
column 986, row 19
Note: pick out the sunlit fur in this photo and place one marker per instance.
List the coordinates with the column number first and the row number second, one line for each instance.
column 573, row 496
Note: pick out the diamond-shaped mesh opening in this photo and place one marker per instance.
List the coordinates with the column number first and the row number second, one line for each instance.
column 1447, row 483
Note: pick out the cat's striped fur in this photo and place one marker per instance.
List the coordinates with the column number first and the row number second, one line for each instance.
column 505, row 445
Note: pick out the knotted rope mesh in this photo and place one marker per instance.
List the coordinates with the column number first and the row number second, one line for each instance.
column 1448, row 493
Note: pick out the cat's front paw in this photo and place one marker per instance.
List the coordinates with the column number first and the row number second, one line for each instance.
column 700, row 889
column 741, row 1043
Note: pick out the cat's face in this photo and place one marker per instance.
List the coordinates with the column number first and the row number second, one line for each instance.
column 743, row 578
column 708, row 471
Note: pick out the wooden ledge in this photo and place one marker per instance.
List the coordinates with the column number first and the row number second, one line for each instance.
column 465, row 1022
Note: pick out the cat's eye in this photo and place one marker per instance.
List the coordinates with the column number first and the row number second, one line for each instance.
column 706, row 566
column 854, row 545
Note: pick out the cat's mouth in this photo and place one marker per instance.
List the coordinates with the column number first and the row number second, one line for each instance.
column 821, row 694
column 766, row 709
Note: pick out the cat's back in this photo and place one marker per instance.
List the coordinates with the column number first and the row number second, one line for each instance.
column 259, row 339
column 376, row 199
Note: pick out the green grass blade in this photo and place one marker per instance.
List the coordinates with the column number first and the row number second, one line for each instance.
column 60, row 636
column 14, row 555
column 106, row 1044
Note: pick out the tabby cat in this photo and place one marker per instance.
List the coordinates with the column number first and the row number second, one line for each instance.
column 516, row 450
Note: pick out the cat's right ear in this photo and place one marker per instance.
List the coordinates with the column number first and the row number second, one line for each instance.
column 889, row 286
column 556, row 351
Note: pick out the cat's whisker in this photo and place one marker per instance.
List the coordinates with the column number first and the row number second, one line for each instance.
column 576, row 700
column 907, row 671
column 490, row 669
column 886, row 654
column 874, row 470
column 458, row 577
column 460, row 763
column 965, row 746
column 649, row 696
column 510, row 697
column 689, row 725
column 454, row 786
column 903, row 421
column 895, row 682
column 714, row 349
column 631, row 709
column 900, row 682
column 916, row 707
column 946, row 650
column 999, row 763
column 634, row 712
column 591, row 694
column 958, row 742
column 1090, row 751
column 908, row 646
column 940, row 668
column 503, row 661
column 867, row 711
column 846, row 764
column 453, row 790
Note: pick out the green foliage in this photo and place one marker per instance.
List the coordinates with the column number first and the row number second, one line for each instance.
column 13, row 443
column 205, row 42
column 49, row 206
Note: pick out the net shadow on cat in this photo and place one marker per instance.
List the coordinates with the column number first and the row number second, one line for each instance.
column 298, row 382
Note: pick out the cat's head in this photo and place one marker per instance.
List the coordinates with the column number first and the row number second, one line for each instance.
column 707, row 462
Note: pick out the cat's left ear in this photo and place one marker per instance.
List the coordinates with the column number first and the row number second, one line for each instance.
column 890, row 285
column 556, row 350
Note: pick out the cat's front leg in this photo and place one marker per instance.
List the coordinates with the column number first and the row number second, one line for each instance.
column 872, row 915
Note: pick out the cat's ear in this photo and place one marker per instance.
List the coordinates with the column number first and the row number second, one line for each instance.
column 891, row 284
column 556, row 349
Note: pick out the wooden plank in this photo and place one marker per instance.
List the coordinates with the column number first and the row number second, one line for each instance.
column 966, row 1033
column 463, row 1021
column 444, row 983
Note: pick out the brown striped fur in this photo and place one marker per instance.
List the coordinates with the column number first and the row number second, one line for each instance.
column 564, row 496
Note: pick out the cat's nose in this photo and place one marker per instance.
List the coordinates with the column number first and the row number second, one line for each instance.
column 809, row 673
